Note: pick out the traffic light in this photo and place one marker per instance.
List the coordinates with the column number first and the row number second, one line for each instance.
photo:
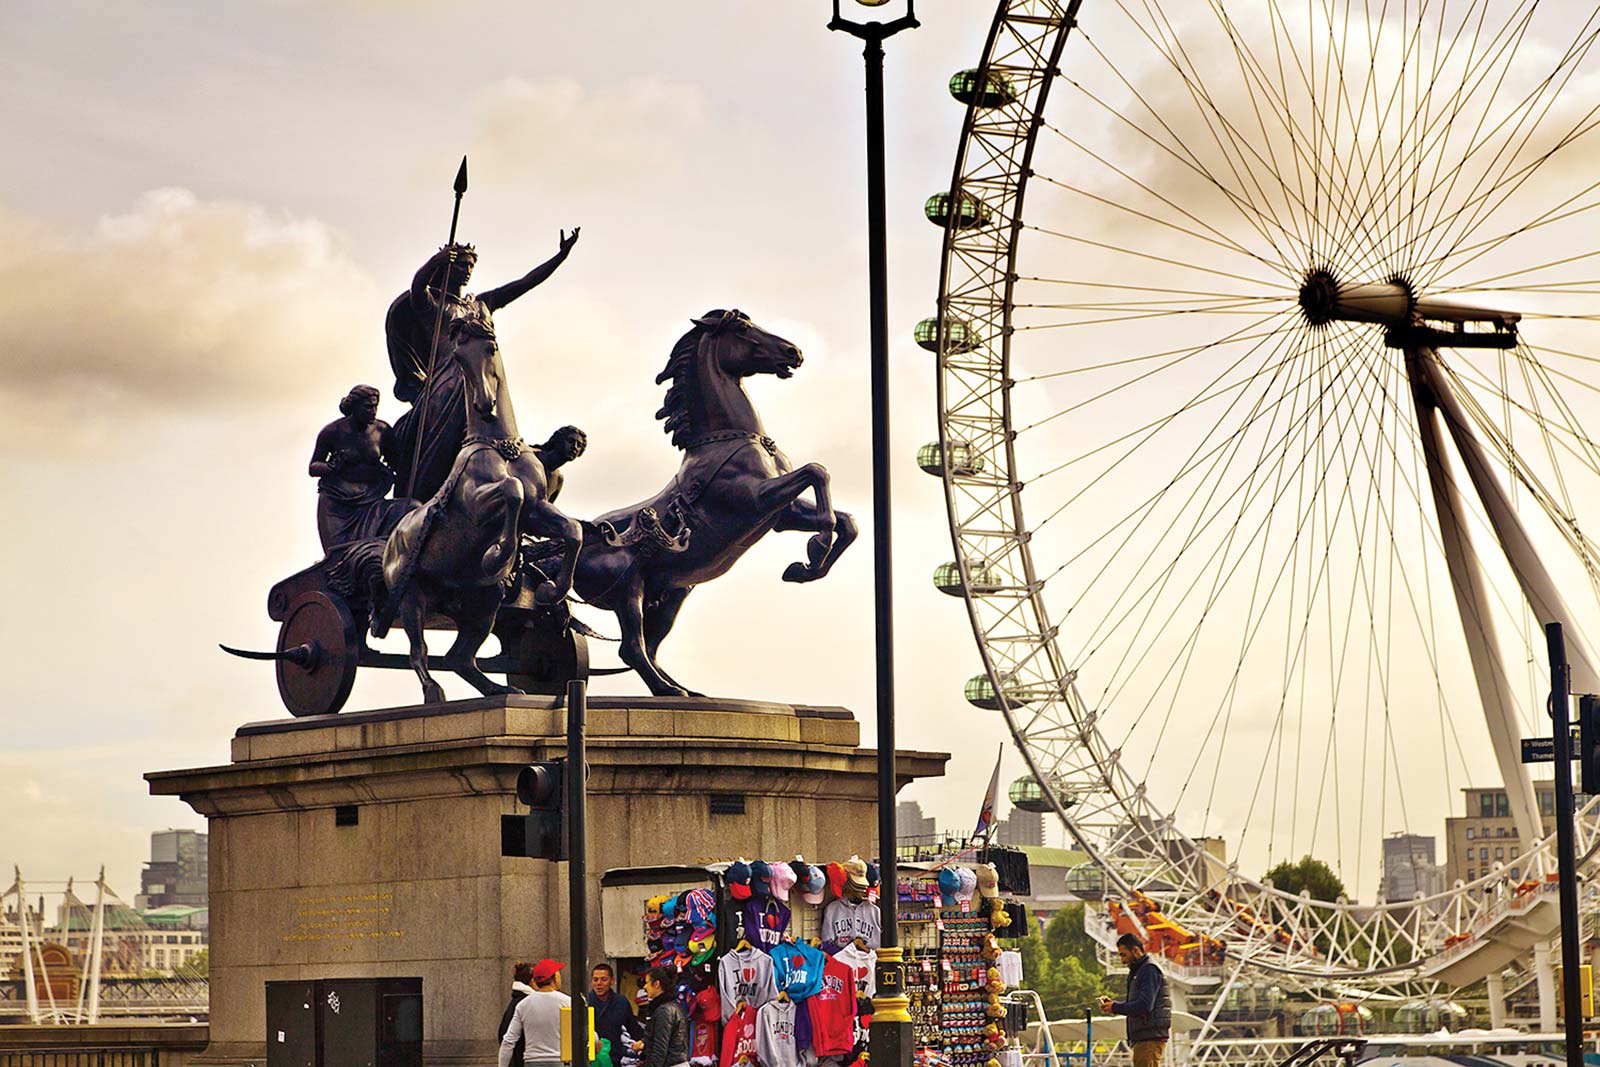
column 1589, row 744
column 542, row 833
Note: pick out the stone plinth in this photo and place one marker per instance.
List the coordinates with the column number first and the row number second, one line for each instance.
column 368, row 844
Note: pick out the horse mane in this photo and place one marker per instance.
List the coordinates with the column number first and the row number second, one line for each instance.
column 680, row 368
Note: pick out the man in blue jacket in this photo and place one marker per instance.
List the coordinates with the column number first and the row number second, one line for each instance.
column 1148, row 1007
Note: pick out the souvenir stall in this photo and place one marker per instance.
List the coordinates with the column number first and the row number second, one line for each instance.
column 775, row 959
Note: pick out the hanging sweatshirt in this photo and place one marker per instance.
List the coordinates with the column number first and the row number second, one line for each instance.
column 739, row 1038
column 864, row 967
column 797, row 969
column 745, row 975
column 765, row 922
column 705, row 1013
column 833, row 1011
column 775, row 1042
column 1010, row 967
column 843, row 922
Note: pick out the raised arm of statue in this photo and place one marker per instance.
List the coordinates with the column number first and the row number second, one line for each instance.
column 428, row 278
column 495, row 299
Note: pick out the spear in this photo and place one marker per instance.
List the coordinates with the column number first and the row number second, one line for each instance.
column 438, row 324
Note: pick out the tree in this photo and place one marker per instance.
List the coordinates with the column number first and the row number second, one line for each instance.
column 196, row 966
column 1311, row 876
column 1061, row 966
column 1308, row 874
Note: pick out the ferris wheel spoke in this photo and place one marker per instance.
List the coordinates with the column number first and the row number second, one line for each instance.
column 1432, row 132
column 1304, row 238
column 1442, row 228
column 1213, row 235
column 1220, row 460
column 1233, row 148
column 1203, row 453
column 1481, row 248
column 1437, row 135
column 1259, row 216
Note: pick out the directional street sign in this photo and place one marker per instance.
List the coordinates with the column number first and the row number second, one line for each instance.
column 1543, row 749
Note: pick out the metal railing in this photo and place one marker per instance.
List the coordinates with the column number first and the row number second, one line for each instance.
column 80, row 1057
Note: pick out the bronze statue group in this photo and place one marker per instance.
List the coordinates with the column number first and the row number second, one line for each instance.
column 448, row 514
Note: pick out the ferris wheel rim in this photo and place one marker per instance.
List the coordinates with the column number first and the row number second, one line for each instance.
column 1117, row 781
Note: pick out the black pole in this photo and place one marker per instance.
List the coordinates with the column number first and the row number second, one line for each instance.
column 891, row 1037
column 1566, row 862
column 578, row 866
column 882, row 534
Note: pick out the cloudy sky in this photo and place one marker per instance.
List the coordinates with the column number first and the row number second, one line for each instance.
column 204, row 212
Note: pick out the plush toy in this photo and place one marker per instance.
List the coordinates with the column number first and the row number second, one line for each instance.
column 996, row 1009
column 994, row 1036
column 991, row 948
column 999, row 917
column 995, row 985
column 992, row 1062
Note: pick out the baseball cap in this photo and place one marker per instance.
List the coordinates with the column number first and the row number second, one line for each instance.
column 988, row 880
column 545, row 970
column 949, row 883
column 813, row 884
column 969, row 883
column 836, row 877
column 739, row 880
column 855, row 869
column 783, row 878
column 761, row 878
column 872, row 875
column 700, row 907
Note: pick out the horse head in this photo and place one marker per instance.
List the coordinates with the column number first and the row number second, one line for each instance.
column 482, row 371
column 746, row 348
column 707, row 367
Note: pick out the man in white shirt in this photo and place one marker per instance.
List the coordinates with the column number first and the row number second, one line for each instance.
column 537, row 1020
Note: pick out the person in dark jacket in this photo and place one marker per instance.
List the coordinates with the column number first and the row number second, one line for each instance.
column 666, row 1041
column 1148, row 1006
column 521, row 975
column 611, row 1009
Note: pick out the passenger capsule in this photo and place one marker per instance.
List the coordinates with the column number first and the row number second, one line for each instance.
column 965, row 461
column 969, row 211
column 958, row 335
column 992, row 90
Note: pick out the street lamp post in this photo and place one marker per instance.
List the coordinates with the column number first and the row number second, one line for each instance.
column 891, row 1037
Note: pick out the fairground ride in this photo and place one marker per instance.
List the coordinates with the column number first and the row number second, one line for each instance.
column 1266, row 343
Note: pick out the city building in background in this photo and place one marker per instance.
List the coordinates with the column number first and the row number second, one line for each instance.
column 909, row 822
column 177, row 872
column 1020, row 828
column 1486, row 836
column 1409, row 867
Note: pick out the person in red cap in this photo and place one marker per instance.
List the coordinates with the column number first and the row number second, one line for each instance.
column 537, row 1020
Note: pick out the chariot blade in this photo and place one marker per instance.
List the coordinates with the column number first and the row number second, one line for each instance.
column 300, row 655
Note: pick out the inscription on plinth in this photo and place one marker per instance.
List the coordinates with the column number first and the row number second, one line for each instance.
column 342, row 920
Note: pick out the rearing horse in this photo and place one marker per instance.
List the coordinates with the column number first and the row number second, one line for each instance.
column 733, row 486
column 451, row 555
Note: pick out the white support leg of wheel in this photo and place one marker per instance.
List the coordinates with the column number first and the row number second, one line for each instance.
column 1545, row 972
column 1496, row 988
column 1473, row 604
column 1537, row 585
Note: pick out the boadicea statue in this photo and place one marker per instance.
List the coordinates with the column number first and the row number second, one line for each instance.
column 471, row 540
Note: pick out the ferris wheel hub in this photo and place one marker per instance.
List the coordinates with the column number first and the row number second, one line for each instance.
column 1325, row 299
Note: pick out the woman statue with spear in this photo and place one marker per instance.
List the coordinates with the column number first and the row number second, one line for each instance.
column 429, row 435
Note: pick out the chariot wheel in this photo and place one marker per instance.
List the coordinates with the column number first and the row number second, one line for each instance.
column 542, row 652
column 318, row 652
column 1266, row 343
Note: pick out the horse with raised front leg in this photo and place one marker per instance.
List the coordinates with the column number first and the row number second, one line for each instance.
column 733, row 486
column 453, row 555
